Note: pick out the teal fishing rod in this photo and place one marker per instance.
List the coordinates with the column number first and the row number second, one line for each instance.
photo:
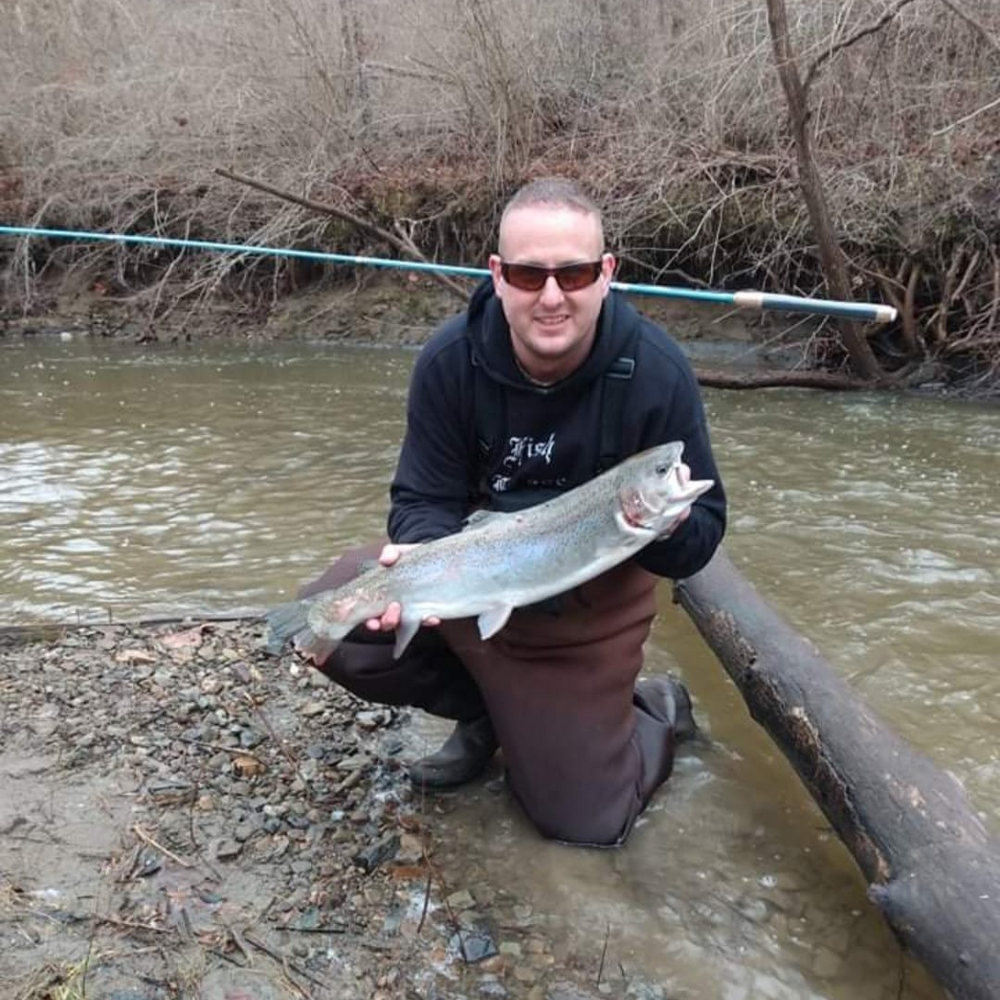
column 758, row 301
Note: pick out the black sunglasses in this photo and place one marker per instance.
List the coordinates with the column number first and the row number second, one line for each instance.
column 569, row 277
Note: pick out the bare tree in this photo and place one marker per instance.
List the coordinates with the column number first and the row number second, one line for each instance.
column 862, row 357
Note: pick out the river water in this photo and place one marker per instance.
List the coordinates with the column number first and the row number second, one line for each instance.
column 165, row 479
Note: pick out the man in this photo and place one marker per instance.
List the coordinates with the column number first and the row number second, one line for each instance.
column 546, row 379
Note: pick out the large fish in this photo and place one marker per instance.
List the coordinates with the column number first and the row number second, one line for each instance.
column 503, row 561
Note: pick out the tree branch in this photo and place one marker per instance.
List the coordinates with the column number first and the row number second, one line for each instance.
column 415, row 74
column 404, row 246
column 965, row 118
column 959, row 10
column 871, row 29
column 931, row 865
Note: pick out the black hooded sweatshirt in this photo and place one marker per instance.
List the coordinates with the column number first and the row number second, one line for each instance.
column 548, row 438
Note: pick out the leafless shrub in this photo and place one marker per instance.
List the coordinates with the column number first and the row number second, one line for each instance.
column 115, row 114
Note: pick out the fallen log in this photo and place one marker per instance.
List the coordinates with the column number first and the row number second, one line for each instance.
column 790, row 379
column 932, row 867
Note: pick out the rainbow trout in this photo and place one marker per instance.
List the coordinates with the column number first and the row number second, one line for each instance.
column 502, row 561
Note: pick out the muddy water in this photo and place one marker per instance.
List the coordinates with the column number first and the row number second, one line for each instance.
column 214, row 477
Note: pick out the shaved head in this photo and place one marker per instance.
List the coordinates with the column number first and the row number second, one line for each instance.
column 553, row 192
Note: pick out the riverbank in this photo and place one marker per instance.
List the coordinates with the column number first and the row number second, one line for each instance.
column 185, row 815
column 729, row 348
column 384, row 310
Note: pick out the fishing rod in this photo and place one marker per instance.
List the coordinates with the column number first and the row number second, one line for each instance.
column 757, row 301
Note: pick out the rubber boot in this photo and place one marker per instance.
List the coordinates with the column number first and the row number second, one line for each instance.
column 666, row 699
column 464, row 756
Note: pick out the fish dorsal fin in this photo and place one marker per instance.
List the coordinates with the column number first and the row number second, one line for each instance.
column 480, row 518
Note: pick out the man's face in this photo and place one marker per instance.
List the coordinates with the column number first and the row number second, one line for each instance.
column 552, row 330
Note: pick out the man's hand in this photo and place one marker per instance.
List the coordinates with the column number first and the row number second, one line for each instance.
column 389, row 620
column 683, row 477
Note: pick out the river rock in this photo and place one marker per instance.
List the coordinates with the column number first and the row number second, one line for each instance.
column 369, row 858
column 226, row 849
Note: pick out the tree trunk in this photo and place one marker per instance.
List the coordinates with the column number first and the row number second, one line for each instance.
column 355, row 59
column 831, row 257
column 932, row 868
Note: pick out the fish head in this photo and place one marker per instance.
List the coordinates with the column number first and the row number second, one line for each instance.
column 652, row 492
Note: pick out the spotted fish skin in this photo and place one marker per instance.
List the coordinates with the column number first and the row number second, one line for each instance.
column 502, row 561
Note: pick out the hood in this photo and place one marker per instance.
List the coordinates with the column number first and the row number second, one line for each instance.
column 491, row 347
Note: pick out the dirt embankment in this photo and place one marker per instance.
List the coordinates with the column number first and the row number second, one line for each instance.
column 184, row 815
column 380, row 309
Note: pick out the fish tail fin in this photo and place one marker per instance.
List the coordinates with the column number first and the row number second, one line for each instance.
column 291, row 622
column 288, row 621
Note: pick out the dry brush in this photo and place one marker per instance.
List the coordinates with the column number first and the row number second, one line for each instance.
column 422, row 117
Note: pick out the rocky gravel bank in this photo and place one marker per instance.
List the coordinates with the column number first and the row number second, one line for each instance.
column 183, row 815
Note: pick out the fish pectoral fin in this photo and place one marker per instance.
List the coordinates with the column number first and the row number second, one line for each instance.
column 405, row 631
column 490, row 622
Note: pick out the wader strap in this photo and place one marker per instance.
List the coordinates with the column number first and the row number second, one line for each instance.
column 489, row 419
column 613, row 388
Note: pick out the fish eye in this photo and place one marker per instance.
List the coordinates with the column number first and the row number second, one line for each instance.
column 662, row 469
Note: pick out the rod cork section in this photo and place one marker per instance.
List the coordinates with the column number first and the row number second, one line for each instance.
column 865, row 311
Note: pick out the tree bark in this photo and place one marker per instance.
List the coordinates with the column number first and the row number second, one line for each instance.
column 862, row 357
column 933, row 869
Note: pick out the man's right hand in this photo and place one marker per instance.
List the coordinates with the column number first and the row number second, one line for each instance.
column 389, row 619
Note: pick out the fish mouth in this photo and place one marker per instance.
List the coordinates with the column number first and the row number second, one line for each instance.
column 634, row 507
column 638, row 512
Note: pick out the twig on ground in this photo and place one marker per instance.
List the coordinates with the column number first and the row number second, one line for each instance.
column 129, row 924
column 604, row 954
column 452, row 919
column 147, row 839
column 235, row 751
column 281, row 958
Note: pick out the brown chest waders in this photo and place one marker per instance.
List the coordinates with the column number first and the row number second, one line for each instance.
column 583, row 754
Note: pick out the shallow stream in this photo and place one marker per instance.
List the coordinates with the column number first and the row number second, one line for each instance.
column 214, row 477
